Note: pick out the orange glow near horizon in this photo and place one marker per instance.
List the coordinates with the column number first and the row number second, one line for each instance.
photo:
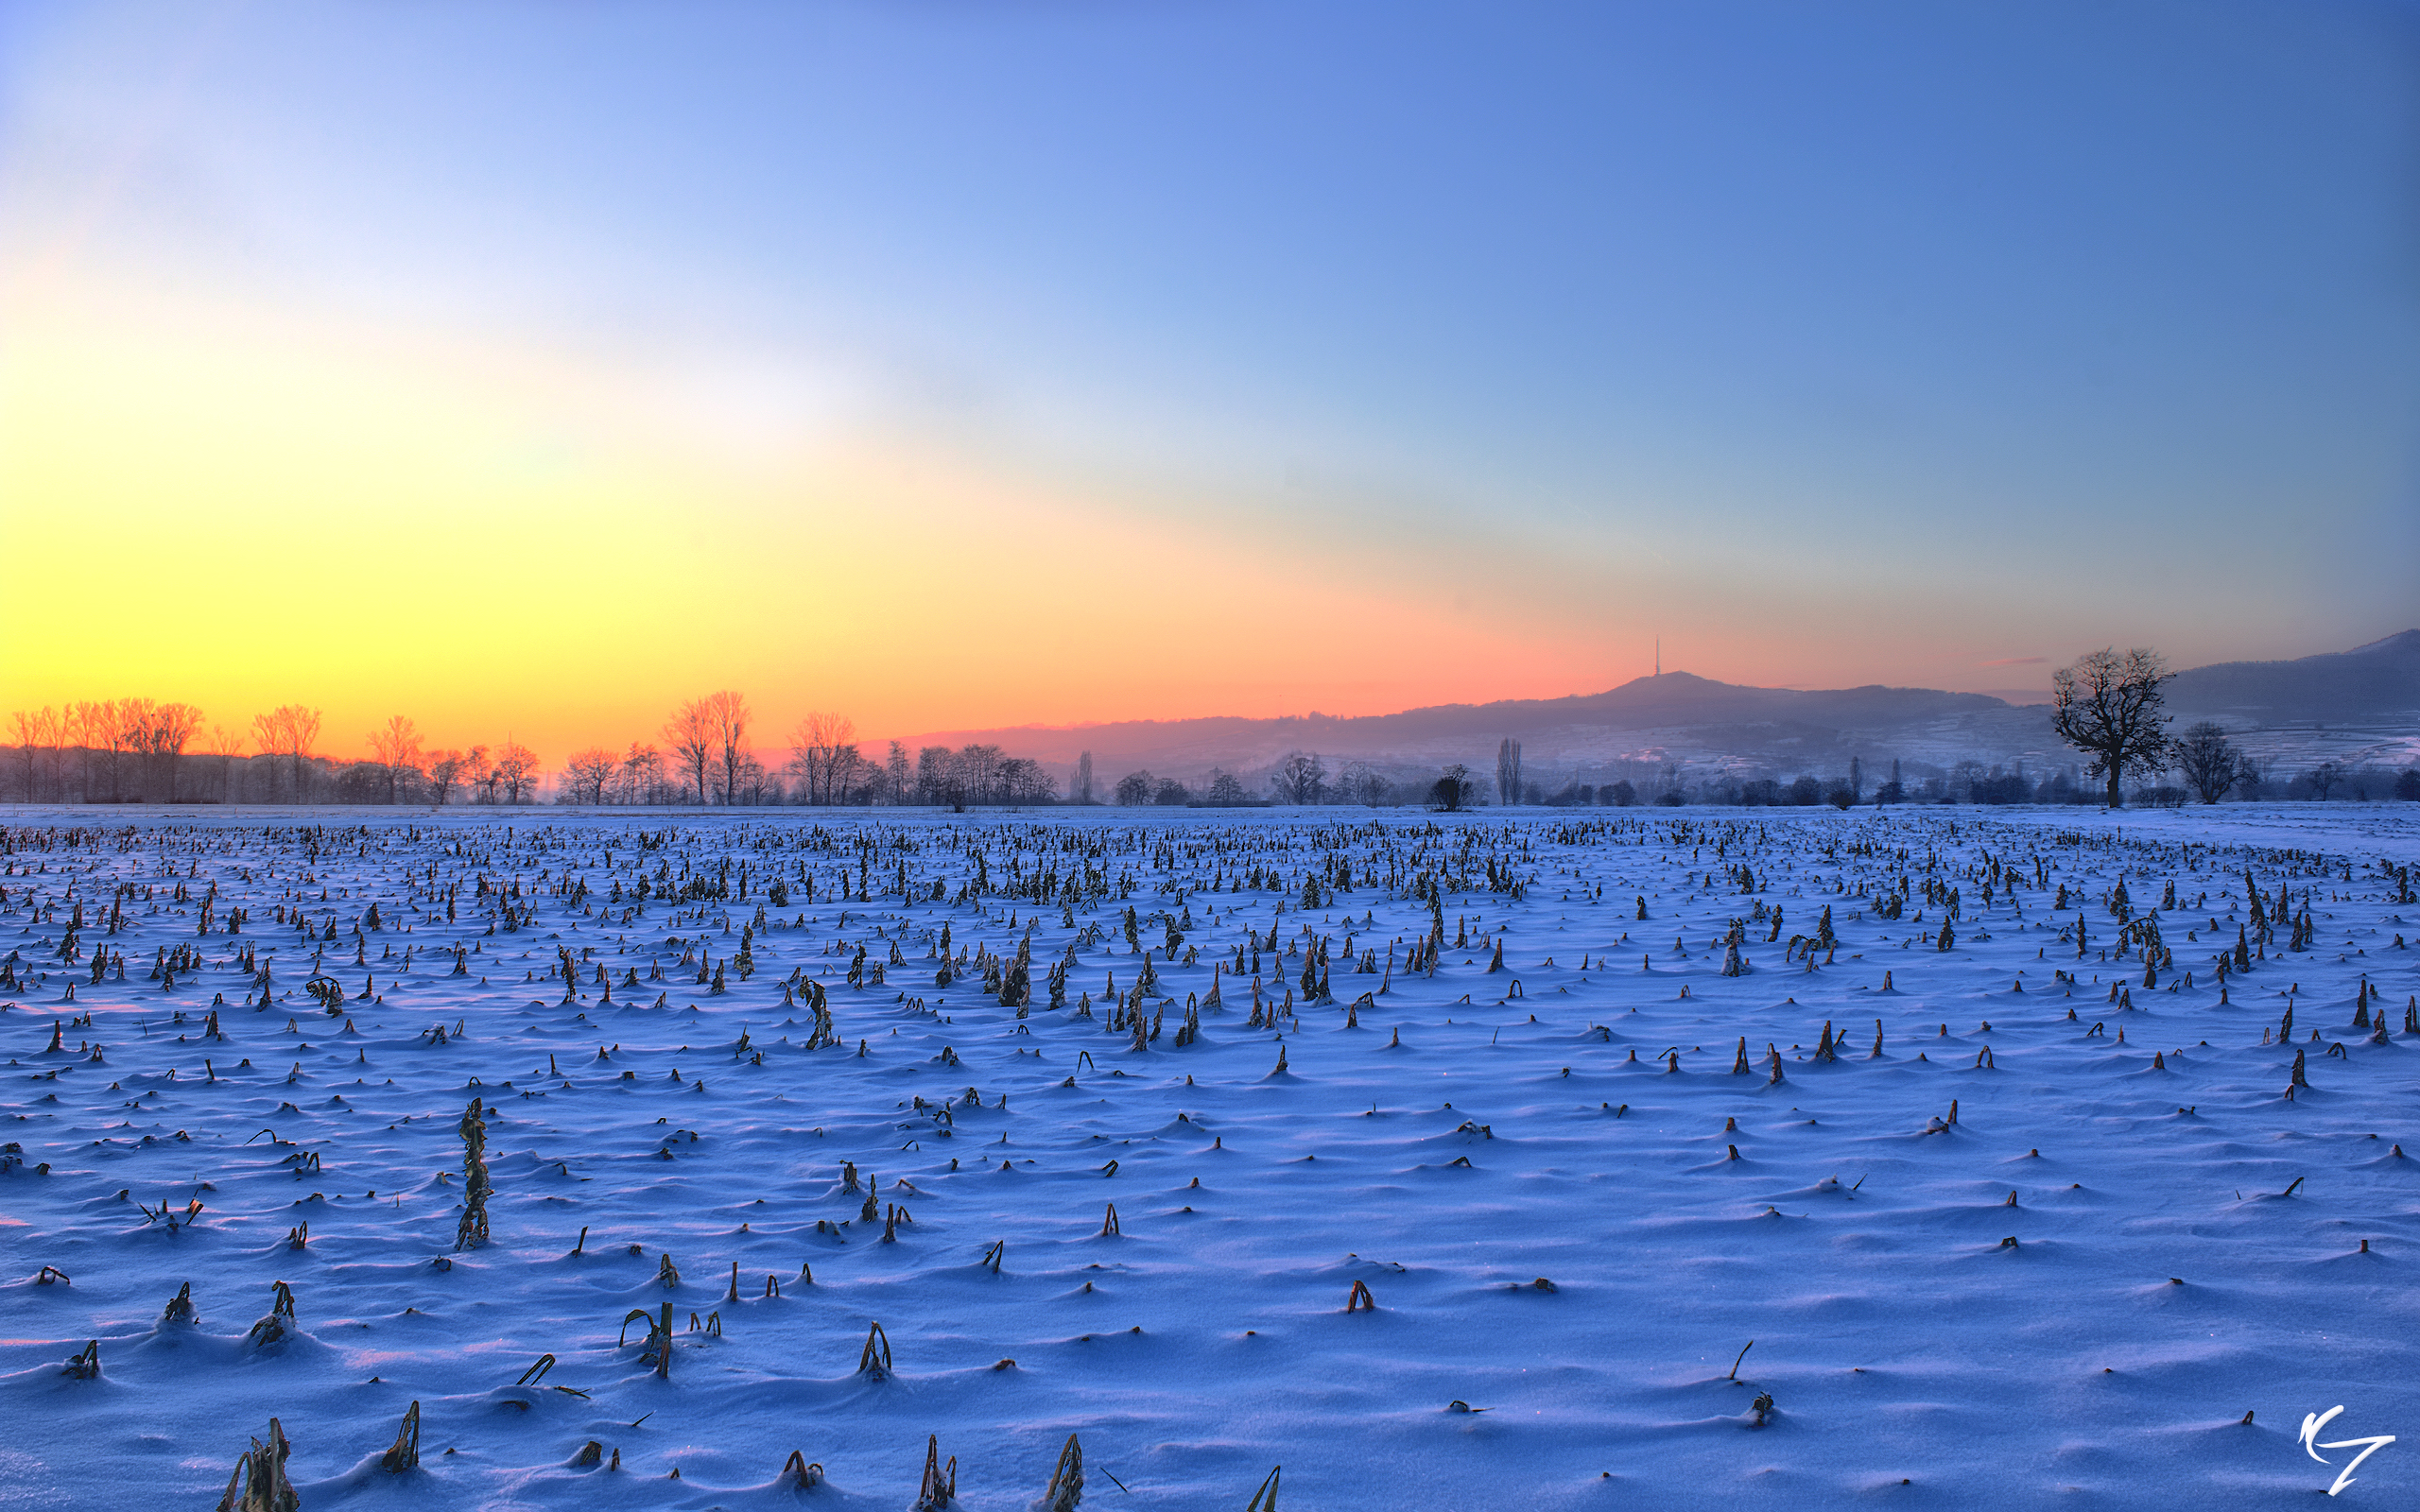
column 238, row 513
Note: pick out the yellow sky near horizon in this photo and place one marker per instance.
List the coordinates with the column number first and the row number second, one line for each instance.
column 237, row 510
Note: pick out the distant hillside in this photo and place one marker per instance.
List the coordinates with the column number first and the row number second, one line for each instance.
column 2373, row 684
column 1681, row 717
column 1676, row 715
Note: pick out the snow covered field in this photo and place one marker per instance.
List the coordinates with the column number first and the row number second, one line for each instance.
column 2016, row 1244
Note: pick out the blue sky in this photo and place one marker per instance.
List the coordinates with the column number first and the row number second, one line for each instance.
column 1463, row 350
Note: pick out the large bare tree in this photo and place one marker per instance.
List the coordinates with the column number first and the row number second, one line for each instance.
column 2107, row 705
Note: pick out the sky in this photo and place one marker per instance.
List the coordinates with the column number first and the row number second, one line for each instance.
column 526, row 368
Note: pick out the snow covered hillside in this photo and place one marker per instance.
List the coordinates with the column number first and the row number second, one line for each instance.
column 805, row 1146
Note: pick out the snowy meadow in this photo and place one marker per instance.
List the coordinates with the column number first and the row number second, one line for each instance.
column 1199, row 1159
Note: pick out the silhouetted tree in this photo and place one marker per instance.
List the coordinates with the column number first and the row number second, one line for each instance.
column 1452, row 791
column 2209, row 762
column 586, row 772
column 1894, row 791
column 172, row 726
column 690, row 732
column 289, row 730
column 479, row 770
column 816, row 743
column 516, row 770
column 2323, row 777
column 445, row 770
column 1302, row 777
column 641, row 780
column 33, row 729
column 2108, row 706
column 1508, row 771
column 395, row 747
column 1082, row 789
column 936, row 776
column 728, row 715
column 1361, row 783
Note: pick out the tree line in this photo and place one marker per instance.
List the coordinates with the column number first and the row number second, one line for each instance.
column 2107, row 705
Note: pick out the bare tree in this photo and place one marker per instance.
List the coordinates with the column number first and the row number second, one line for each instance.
column 730, row 717
column 587, row 772
column 33, row 729
column 445, row 770
column 2210, row 763
column 2108, row 706
column 1362, row 783
column 268, row 732
column 226, row 745
column 124, row 727
column 1453, row 790
column 758, row 785
column 172, row 727
column 816, row 743
column 1508, row 770
column 936, row 776
column 303, row 726
column 479, row 771
column 93, row 728
column 642, row 779
column 1081, row 790
column 1135, row 788
column 691, row 733
column 395, row 747
column 849, row 773
column 289, row 730
column 1302, row 777
column 516, row 770
column 2323, row 777
column 1023, row 780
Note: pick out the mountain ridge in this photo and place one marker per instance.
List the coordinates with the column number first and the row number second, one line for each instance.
column 1681, row 715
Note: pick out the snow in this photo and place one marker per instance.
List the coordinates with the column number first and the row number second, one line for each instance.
column 2168, row 1275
